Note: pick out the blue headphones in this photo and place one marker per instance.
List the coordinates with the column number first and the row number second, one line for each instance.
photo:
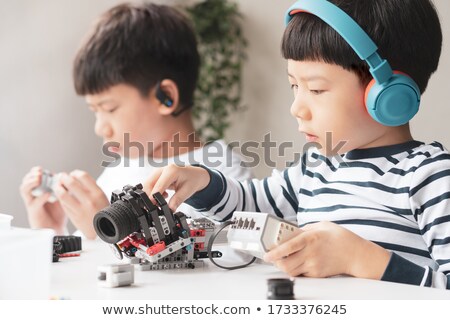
column 392, row 98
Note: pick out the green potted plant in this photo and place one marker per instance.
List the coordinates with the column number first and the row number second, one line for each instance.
column 222, row 51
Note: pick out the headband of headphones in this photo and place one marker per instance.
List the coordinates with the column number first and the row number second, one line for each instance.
column 353, row 34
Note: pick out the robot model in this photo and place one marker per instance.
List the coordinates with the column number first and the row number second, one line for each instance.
column 151, row 235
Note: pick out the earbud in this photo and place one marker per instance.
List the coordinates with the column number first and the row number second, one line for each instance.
column 162, row 96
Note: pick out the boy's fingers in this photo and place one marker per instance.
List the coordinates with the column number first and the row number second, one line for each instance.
column 89, row 183
column 179, row 197
column 36, row 169
column 41, row 200
column 84, row 177
column 66, row 199
column 30, row 182
column 167, row 177
column 74, row 186
column 27, row 186
column 289, row 247
column 291, row 263
column 149, row 184
column 299, row 270
column 165, row 195
column 32, row 175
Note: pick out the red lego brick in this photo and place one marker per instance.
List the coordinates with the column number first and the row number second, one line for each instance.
column 160, row 246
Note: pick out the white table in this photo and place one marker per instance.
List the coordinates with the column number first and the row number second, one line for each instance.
column 76, row 278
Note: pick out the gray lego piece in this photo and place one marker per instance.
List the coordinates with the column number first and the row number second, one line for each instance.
column 48, row 183
column 115, row 275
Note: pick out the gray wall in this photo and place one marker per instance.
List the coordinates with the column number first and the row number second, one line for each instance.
column 43, row 122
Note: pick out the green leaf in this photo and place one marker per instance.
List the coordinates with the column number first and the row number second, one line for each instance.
column 222, row 50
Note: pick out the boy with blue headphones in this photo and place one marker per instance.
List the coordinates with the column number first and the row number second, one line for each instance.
column 381, row 210
column 137, row 70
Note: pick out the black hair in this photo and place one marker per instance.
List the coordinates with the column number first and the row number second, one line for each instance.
column 407, row 32
column 139, row 45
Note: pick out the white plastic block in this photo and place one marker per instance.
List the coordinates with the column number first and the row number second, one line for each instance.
column 258, row 233
column 25, row 262
column 115, row 275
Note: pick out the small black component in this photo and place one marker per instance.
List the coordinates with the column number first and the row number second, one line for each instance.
column 204, row 254
column 115, row 222
column 64, row 244
column 280, row 289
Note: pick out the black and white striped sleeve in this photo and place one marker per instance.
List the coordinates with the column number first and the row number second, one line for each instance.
column 430, row 204
column 276, row 195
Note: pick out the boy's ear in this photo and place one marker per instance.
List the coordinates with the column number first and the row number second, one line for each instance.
column 168, row 96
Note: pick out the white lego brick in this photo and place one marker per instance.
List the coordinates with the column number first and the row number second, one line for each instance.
column 115, row 275
column 258, row 233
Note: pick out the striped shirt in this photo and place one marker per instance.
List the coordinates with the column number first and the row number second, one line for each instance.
column 395, row 196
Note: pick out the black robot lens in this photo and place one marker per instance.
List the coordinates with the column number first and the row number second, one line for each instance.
column 115, row 222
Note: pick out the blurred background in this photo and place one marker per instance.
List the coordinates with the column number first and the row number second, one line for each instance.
column 43, row 122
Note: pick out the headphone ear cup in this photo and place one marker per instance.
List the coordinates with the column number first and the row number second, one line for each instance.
column 393, row 103
column 366, row 96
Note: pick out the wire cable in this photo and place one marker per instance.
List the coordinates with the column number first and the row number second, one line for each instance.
column 210, row 244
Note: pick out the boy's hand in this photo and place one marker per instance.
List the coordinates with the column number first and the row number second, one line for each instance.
column 326, row 249
column 184, row 180
column 81, row 199
column 41, row 214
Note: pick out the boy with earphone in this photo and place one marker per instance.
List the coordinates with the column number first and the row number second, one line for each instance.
column 381, row 208
column 137, row 70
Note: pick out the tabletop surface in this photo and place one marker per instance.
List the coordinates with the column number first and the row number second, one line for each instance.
column 76, row 278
